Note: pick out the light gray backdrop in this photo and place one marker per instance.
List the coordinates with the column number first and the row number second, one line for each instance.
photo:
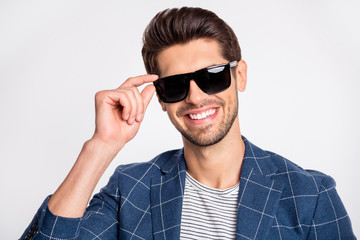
column 301, row 101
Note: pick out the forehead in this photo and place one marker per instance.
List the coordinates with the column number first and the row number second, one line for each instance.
column 189, row 57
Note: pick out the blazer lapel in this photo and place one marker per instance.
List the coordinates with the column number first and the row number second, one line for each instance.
column 259, row 194
column 166, row 198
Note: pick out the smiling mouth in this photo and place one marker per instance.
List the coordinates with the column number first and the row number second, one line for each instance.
column 199, row 116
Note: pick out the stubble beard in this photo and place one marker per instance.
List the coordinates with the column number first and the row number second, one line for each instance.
column 209, row 136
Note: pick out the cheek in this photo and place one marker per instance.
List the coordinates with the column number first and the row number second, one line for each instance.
column 229, row 96
column 231, row 99
column 171, row 109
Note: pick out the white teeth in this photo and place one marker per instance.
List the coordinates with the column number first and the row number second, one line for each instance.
column 202, row 115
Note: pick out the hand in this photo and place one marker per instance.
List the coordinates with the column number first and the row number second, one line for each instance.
column 119, row 112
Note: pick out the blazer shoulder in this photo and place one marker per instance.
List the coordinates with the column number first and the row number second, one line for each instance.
column 145, row 170
column 309, row 200
column 311, row 181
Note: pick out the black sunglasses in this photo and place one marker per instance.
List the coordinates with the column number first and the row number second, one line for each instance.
column 210, row 80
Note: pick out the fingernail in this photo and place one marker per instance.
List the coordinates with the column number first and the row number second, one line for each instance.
column 139, row 117
column 127, row 116
column 132, row 120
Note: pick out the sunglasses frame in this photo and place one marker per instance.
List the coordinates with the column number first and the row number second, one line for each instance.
column 193, row 76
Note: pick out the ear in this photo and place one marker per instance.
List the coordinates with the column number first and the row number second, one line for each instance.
column 163, row 106
column 241, row 75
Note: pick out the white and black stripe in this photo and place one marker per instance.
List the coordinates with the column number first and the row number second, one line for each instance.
column 208, row 213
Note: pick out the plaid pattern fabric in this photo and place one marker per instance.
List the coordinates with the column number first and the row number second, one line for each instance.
column 277, row 200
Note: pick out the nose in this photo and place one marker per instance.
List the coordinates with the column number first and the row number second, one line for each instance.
column 195, row 95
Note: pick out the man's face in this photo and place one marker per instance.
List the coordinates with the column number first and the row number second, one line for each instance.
column 202, row 119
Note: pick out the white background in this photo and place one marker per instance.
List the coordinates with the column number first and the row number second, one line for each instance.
column 301, row 101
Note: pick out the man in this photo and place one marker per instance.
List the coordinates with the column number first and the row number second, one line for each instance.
column 219, row 186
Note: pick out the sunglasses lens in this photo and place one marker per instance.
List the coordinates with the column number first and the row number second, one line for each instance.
column 214, row 80
column 172, row 89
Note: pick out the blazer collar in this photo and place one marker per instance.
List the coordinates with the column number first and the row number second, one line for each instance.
column 259, row 194
column 258, row 199
column 166, row 197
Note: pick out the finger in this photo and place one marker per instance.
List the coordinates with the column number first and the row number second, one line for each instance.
column 139, row 80
column 147, row 94
column 126, row 106
column 134, row 105
column 116, row 99
column 140, row 105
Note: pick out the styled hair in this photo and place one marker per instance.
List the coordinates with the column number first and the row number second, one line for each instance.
column 180, row 26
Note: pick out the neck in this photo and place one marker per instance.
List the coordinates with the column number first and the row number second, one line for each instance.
column 218, row 165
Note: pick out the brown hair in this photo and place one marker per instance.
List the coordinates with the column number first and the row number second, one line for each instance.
column 180, row 26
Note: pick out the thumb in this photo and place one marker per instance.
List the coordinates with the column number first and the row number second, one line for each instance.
column 147, row 94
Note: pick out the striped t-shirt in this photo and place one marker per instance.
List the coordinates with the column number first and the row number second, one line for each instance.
column 208, row 213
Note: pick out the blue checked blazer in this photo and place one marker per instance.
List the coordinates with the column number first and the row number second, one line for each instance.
column 277, row 200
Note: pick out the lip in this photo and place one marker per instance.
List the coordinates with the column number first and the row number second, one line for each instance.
column 200, row 111
column 197, row 111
